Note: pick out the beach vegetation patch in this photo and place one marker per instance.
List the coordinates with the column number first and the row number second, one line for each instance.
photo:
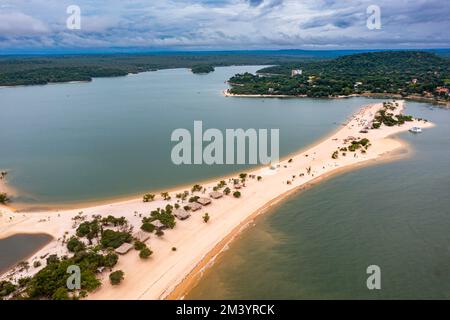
column 116, row 277
column 165, row 195
column 4, row 199
column 88, row 229
column 6, row 288
column 148, row 197
column 145, row 252
column 75, row 245
column 147, row 227
column 114, row 239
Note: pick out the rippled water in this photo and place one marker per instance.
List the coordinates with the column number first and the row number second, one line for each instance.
column 319, row 242
column 65, row 143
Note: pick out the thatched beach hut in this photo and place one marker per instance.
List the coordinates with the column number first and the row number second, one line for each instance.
column 181, row 214
column 141, row 236
column 158, row 224
column 124, row 248
column 216, row 194
column 204, row 201
column 195, row 206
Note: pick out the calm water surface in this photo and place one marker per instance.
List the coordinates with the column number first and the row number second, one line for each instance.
column 67, row 143
column 19, row 247
column 319, row 243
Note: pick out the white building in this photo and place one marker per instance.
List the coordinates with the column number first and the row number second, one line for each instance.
column 296, row 72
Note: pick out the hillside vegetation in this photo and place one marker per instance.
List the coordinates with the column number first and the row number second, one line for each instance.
column 401, row 72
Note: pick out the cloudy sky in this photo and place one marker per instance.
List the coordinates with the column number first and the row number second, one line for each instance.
column 33, row 25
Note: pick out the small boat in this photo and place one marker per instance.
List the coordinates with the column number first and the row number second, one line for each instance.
column 415, row 130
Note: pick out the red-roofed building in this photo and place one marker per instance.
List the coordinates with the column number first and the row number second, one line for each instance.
column 442, row 90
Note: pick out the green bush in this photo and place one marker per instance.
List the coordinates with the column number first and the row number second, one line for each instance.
column 145, row 253
column 139, row 245
column 61, row 294
column 148, row 197
column 147, row 227
column 111, row 260
column 6, row 288
column 75, row 245
column 114, row 239
column 4, row 199
column 116, row 277
column 88, row 229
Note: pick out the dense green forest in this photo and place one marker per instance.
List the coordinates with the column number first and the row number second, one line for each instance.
column 202, row 68
column 402, row 72
column 29, row 70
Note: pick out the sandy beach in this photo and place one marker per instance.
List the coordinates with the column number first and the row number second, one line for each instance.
column 170, row 274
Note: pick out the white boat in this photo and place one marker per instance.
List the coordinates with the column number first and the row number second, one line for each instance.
column 415, row 130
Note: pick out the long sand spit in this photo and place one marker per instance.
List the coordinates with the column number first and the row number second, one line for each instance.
column 169, row 274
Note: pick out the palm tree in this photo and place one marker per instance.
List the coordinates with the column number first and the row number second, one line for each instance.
column 165, row 195
column 4, row 198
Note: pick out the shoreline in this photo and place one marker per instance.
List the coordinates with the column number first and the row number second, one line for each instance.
column 196, row 242
column 56, row 207
column 28, row 256
column 226, row 93
column 194, row 277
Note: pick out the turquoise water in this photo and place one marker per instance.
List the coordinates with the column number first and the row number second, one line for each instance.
column 65, row 143
column 318, row 244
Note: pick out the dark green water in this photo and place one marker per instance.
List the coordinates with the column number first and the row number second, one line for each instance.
column 318, row 244
column 67, row 143
column 19, row 247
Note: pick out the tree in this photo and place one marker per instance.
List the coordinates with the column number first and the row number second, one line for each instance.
column 6, row 288
column 236, row 194
column 88, row 229
column 147, row 227
column 139, row 245
column 159, row 233
column 206, row 217
column 111, row 260
column 145, row 253
column 75, row 245
column 116, row 277
column 242, row 175
column 165, row 195
column 114, row 239
column 4, row 199
column 148, row 197
column 61, row 294
column 226, row 191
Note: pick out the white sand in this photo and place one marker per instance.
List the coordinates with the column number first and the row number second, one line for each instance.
column 168, row 274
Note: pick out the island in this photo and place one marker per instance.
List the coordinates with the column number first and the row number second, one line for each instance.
column 202, row 69
column 415, row 75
